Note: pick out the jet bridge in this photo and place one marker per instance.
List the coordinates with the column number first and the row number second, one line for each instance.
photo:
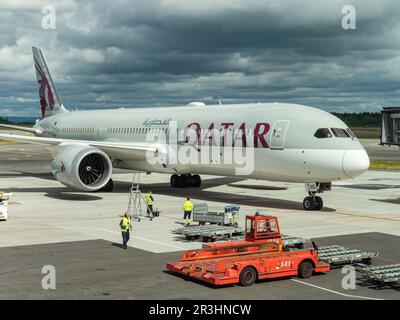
column 390, row 134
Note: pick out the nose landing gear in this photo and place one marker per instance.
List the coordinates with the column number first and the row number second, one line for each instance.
column 314, row 202
column 185, row 180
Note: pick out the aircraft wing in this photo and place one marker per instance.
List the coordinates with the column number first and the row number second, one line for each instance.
column 26, row 129
column 111, row 148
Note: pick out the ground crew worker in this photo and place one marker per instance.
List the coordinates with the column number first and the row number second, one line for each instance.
column 187, row 211
column 126, row 227
column 149, row 202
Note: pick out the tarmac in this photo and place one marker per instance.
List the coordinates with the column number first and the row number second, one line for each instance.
column 377, row 152
column 78, row 233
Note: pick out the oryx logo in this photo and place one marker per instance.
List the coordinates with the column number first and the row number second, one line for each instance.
column 45, row 93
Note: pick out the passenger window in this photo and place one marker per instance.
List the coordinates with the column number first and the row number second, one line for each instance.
column 340, row 133
column 323, row 133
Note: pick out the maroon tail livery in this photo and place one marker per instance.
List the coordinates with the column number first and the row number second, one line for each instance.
column 50, row 102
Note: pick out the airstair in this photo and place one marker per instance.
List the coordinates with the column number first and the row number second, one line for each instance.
column 137, row 206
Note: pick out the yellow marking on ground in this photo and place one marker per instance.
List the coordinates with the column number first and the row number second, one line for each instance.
column 9, row 142
column 385, row 165
column 355, row 220
column 347, row 219
column 376, row 216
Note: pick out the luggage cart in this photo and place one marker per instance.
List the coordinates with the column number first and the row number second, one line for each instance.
column 229, row 216
column 210, row 232
column 338, row 255
column 381, row 276
column 293, row 242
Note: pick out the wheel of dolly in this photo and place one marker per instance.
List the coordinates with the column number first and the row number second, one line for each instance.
column 248, row 276
column 306, row 269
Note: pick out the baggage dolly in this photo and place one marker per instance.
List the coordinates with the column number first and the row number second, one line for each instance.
column 338, row 255
column 386, row 276
column 210, row 233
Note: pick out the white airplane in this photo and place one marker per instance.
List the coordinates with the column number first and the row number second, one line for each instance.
column 287, row 142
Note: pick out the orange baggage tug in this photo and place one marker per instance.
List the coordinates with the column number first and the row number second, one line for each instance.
column 260, row 256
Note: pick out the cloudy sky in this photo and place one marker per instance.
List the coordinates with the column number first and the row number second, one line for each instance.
column 106, row 54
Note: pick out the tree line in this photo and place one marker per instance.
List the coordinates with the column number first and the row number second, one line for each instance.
column 4, row 120
column 364, row 119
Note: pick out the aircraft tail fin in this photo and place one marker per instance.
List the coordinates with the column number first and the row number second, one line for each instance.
column 50, row 101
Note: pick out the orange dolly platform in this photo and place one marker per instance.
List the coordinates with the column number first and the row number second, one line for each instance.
column 260, row 256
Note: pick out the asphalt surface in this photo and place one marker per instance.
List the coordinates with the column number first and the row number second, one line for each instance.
column 99, row 269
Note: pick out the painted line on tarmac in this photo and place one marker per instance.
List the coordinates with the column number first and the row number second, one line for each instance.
column 114, row 232
column 336, row 292
column 167, row 245
column 383, row 216
column 140, row 238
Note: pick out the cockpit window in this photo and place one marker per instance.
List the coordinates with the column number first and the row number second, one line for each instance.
column 352, row 135
column 340, row 133
column 323, row 133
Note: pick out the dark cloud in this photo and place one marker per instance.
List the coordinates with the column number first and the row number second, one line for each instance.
column 151, row 53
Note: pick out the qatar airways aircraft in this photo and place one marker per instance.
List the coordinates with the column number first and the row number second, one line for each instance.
column 286, row 142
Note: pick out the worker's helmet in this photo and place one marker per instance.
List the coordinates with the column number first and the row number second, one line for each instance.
column 187, row 198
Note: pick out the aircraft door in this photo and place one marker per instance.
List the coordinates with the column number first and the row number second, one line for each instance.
column 99, row 133
column 278, row 134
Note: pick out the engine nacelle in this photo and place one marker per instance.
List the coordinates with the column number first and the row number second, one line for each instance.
column 81, row 167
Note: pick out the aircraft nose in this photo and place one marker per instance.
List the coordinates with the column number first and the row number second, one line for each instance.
column 355, row 162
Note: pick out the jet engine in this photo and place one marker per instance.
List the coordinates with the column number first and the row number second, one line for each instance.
column 81, row 167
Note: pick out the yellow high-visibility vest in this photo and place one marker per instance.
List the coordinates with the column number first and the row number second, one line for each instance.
column 149, row 200
column 188, row 205
column 125, row 224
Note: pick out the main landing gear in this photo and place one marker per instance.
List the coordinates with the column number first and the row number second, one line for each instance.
column 185, row 180
column 314, row 202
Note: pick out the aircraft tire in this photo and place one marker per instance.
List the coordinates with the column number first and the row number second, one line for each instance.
column 182, row 181
column 196, row 181
column 319, row 203
column 309, row 203
column 174, row 180
column 189, row 180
